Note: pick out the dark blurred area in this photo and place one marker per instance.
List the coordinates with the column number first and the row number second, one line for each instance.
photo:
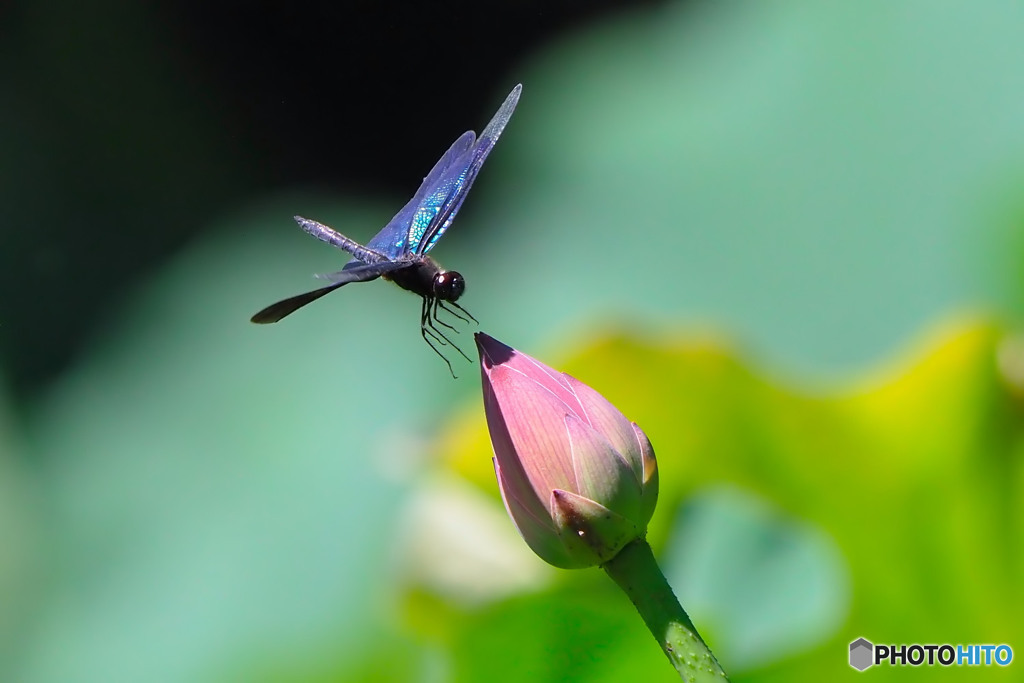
column 127, row 126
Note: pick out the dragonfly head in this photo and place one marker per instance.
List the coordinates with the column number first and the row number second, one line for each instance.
column 448, row 285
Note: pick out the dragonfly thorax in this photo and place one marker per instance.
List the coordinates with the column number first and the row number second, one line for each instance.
column 427, row 279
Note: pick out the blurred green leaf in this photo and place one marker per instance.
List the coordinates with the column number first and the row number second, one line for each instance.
column 220, row 489
column 765, row 585
column 819, row 178
column 22, row 545
column 909, row 479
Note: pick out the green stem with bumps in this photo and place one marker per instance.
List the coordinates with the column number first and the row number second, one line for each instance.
column 636, row 572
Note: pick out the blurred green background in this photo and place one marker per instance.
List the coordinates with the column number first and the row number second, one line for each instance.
column 787, row 238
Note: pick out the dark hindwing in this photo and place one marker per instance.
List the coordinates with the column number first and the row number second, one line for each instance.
column 364, row 273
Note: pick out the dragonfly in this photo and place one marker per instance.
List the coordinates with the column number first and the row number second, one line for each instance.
column 399, row 251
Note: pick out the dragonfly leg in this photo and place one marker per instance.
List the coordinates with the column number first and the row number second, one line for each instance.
column 426, row 329
column 467, row 318
column 443, row 323
column 434, row 334
column 431, row 318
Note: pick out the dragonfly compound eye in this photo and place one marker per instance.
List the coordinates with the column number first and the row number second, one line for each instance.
column 449, row 286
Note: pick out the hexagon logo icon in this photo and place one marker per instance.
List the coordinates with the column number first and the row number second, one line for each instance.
column 861, row 654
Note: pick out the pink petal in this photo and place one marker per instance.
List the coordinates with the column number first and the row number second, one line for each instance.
column 602, row 474
column 534, row 420
column 537, row 530
column 495, row 354
column 609, row 421
column 516, row 482
column 649, row 479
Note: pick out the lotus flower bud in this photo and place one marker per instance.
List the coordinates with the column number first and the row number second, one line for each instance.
column 578, row 479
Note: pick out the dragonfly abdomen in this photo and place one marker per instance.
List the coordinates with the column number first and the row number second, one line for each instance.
column 336, row 239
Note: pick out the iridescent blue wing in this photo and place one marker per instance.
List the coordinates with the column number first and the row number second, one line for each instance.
column 393, row 239
column 440, row 205
column 421, row 222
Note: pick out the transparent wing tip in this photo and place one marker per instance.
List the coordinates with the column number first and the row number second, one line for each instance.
column 504, row 113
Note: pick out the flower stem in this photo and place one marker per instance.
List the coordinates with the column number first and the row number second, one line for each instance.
column 636, row 572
